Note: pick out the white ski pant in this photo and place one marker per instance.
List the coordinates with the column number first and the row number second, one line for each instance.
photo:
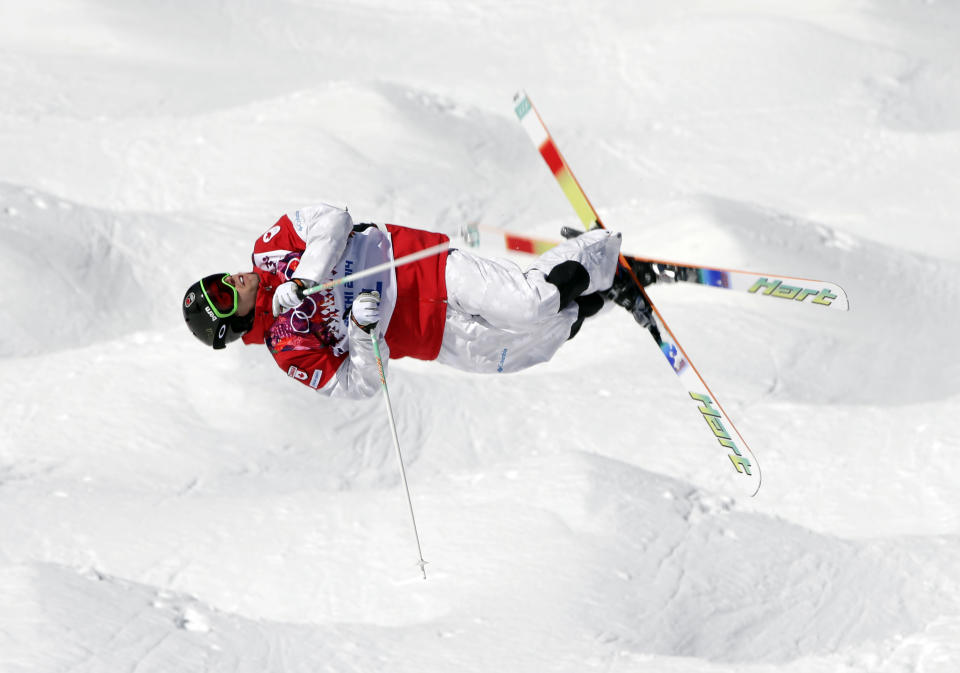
column 501, row 318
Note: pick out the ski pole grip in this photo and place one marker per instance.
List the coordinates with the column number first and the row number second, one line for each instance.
column 301, row 288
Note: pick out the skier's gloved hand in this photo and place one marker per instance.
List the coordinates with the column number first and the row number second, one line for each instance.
column 289, row 295
column 366, row 311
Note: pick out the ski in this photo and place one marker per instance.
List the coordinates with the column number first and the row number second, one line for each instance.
column 721, row 427
column 819, row 293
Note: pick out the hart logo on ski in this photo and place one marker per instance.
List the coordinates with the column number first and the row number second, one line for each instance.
column 714, row 419
column 776, row 288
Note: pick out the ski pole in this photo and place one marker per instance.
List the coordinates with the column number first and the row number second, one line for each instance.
column 412, row 257
column 396, row 443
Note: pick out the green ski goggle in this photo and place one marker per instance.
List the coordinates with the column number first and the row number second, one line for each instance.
column 221, row 296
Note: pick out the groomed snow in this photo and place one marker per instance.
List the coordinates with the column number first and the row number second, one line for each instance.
column 165, row 508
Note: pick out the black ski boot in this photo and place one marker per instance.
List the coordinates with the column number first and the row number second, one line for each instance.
column 625, row 292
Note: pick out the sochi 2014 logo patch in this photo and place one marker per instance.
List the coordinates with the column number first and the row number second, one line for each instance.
column 188, row 302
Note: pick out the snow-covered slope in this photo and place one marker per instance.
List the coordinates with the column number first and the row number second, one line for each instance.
column 166, row 508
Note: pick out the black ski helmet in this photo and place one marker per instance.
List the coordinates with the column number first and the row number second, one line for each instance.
column 211, row 313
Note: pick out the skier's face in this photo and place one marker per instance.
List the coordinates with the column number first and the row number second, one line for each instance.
column 246, row 284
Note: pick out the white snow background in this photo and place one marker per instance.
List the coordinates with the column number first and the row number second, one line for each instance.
column 165, row 508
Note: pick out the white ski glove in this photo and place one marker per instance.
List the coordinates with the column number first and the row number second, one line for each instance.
column 289, row 295
column 366, row 311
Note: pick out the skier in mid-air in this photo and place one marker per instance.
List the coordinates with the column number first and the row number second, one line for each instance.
column 470, row 312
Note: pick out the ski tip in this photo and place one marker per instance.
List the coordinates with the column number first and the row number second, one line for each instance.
column 521, row 104
column 756, row 466
column 842, row 301
column 747, row 472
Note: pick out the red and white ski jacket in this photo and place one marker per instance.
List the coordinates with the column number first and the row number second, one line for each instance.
column 316, row 343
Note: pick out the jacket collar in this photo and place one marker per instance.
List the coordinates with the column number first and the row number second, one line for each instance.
column 263, row 309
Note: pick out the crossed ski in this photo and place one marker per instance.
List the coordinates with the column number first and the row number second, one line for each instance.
column 816, row 293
